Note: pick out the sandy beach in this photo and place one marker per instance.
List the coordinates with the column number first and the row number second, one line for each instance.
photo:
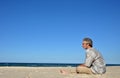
column 53, row 72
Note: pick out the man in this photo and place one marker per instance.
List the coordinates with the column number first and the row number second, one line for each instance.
column 94, row 62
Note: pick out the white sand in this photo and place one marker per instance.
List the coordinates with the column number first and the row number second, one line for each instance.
column 52, row 72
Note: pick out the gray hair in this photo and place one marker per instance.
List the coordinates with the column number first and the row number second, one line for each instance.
column 89, row 41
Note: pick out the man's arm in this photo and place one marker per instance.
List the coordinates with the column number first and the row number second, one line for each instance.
column 90, row 58
column 83, row 65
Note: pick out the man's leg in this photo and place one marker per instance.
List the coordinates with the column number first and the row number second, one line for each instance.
column 83, row 70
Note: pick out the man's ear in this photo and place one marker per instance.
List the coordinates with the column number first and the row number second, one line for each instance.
column 87, row 44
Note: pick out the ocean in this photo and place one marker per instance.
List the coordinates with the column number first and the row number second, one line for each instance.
column 46, row 64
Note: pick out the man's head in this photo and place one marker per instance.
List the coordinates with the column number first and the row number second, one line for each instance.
column 87, row 43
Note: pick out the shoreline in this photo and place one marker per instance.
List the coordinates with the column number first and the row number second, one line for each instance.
column 45, row 64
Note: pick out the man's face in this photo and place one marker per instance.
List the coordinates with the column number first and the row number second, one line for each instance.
column 85, row 45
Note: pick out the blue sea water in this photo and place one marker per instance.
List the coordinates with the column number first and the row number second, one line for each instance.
column 46, row 64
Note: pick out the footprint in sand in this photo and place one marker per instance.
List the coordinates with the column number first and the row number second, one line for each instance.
column 28, row 76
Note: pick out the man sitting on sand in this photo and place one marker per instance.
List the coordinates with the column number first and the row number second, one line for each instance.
column 94, row 62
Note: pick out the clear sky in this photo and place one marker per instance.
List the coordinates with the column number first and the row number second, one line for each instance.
column 51, row 31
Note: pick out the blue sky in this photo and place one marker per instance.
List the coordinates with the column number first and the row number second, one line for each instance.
column 51, row 31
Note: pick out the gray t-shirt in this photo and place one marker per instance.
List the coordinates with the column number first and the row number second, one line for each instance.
column 95, row 61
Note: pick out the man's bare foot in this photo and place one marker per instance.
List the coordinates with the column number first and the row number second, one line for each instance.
column 63, row 72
